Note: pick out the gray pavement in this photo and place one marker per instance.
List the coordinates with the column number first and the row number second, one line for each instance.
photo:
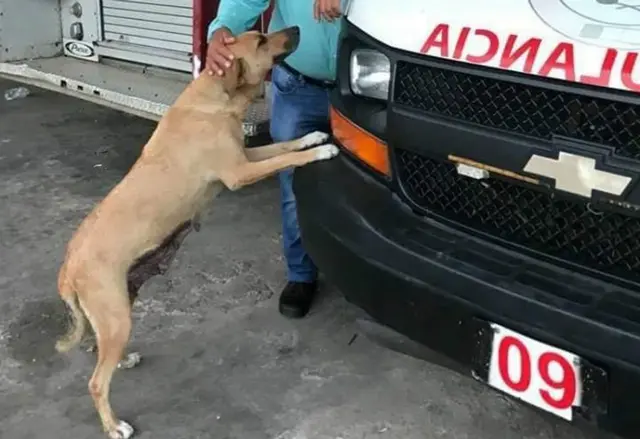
column 219, row 361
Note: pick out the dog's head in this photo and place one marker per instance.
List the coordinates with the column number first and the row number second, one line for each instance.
column 255, row 54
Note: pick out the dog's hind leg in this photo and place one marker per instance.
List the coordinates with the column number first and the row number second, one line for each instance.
column 111, row 322
column 156, row 262
column 129, row 360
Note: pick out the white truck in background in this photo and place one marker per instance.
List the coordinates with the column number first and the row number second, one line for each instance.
column 131, row 55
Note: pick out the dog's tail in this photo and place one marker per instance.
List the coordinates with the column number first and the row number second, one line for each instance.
column 78, row 322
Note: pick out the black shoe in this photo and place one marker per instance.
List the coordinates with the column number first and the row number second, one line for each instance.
column 296, row 299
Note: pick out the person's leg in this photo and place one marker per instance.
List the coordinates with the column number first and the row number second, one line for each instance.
column 300, row 267
column 297, row 109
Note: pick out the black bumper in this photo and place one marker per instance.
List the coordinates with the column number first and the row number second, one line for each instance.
column 441, row 288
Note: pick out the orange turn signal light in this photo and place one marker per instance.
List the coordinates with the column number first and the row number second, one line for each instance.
column 362, row 144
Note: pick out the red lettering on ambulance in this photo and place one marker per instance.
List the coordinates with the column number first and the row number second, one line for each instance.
column 562, row 58
column 528, row 49
column 462, row 40
column 438, row 39
column 605, row 71
column 628, row 70
column 505, row 52
column 494, row 45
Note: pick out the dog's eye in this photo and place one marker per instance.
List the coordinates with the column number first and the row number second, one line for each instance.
column 262, row 40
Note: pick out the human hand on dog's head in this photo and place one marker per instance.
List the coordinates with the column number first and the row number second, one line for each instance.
column 219, row 57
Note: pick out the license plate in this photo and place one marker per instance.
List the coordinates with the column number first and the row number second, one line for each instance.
column 541, row 375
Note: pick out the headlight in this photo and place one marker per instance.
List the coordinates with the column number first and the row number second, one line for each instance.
column 370, row 73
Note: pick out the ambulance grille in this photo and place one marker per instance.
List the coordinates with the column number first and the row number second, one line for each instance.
column 593, row 236
column 519, row 108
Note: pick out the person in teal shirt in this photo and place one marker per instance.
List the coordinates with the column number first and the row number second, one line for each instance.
column 299, row 105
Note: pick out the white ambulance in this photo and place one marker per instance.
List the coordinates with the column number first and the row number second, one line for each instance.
column 487, row 204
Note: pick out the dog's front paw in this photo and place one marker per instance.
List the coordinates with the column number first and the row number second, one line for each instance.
column 122, row 431
column 314, row 138
column 130, row 360
column 326, row 152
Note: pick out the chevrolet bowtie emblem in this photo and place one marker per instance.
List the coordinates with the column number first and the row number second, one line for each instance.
column 577, row 174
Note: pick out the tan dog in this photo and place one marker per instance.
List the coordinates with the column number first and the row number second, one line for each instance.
column 196, row 150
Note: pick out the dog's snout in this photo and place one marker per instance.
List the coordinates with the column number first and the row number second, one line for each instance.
column 284, row 42
column 293, row 38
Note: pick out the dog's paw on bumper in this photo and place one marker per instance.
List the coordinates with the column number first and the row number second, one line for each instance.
column 312, row 139
column 326, row 152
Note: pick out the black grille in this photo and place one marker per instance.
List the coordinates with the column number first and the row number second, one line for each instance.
column 519, row 108
column 597, row 238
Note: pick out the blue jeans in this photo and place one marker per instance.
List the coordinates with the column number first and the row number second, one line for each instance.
column 297, row 108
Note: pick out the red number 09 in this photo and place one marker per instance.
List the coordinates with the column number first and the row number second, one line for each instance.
column 567, row 383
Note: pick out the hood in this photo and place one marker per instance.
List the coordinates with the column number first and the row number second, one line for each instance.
column 586, row 41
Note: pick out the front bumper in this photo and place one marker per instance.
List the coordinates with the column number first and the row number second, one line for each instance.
column 441, row 288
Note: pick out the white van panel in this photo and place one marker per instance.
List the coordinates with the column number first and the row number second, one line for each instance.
column 574, row 40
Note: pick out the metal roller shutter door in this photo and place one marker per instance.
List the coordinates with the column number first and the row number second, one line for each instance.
column 158, row 32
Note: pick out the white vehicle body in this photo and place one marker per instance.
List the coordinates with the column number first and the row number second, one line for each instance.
column 593, row 42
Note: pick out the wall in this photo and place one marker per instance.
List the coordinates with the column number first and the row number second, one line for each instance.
column 29, row 29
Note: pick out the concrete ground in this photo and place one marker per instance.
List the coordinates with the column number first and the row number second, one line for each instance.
column 219, row 361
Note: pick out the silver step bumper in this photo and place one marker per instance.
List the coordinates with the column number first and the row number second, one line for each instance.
column 143, row 91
